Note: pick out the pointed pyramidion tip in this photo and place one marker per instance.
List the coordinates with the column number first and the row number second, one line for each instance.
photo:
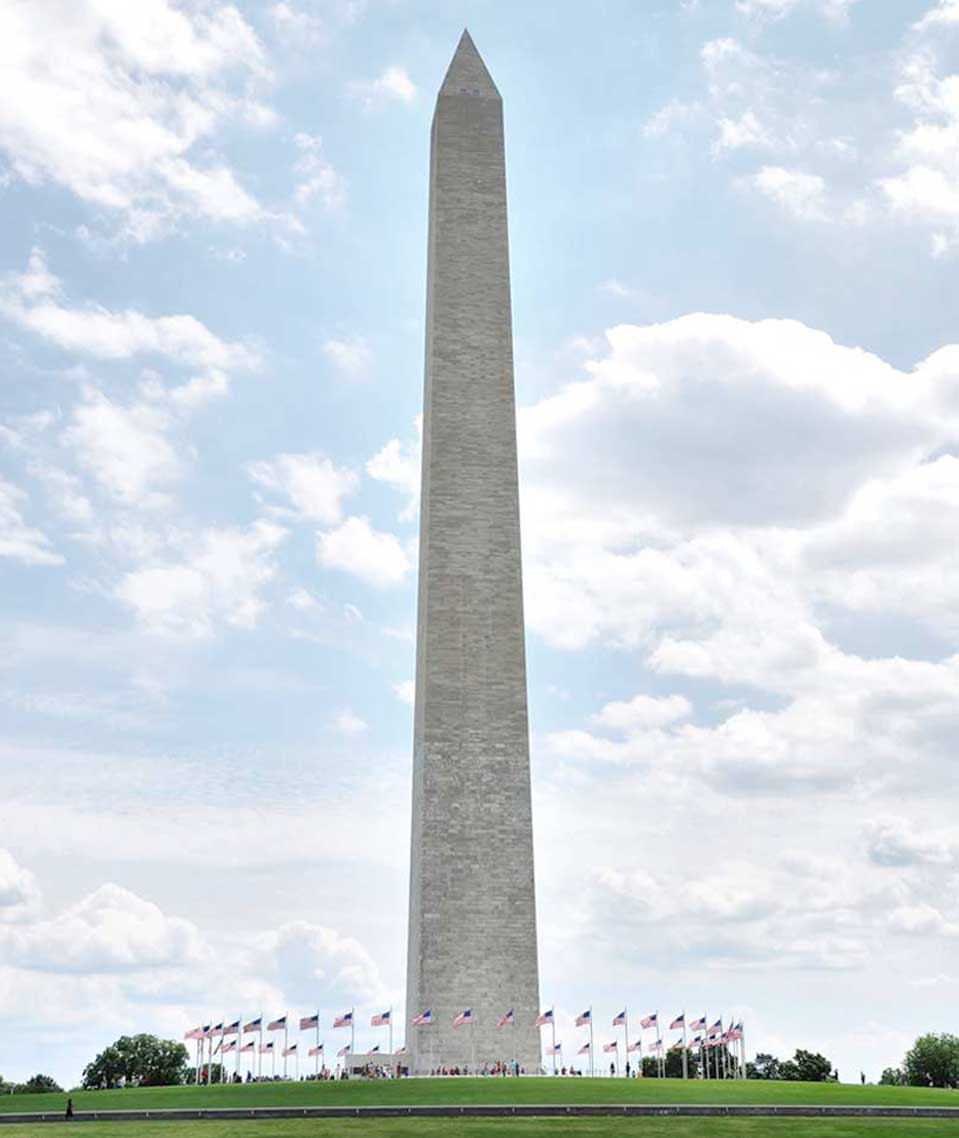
column 467, row 73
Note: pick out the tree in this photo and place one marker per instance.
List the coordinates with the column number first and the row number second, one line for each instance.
column 788, row 1071
column 137, row 1060
column 933, row 1061
column 38, row 1085
column 764, row 1066
column 812, row 1067
column 892, row 1077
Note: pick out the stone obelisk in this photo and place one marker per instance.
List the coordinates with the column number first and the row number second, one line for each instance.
column 472, row 934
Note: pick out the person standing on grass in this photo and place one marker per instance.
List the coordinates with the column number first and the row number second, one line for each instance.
column 69, row 1111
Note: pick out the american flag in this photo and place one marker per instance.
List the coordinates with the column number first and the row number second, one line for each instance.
column 678, row 1022
column 637, row 1046
column 315, row 1051
column 735, row 1033
column 194, row 1033
column 277, row 1024
column 713, row 1038
column 381, row 1020
column 217, row 1029
column 265, row 1047
column 544, row 1017
column 698, row 1025
column 232, row 1028
column 248, row 1047
column 610, row 1046
column 291, row 1050
column 696, row 1044
column 557, row 1050
column 231, row 1046
column 718, row 1025
column 400, row 1050
column 505, row 1019
column 584, row 1018
column 620, row 1020
column 309, row 1021
column 205, row 1032
column 656, row 1045
column 254, row 1024
column 677, row 1046
column 373, row 1050
column 343, row 1051
column 464, row 1017
column 344, row 1020
column 649, row 1021
column 584, row 1050
column 422, row 1018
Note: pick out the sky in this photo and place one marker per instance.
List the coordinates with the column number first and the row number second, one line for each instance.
column 735, row 255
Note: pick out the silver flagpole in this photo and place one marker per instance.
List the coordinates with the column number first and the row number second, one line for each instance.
column 317, row 1056
column 592, row 1049
column 286, row 1042
column 259, row 1053
column 626, row 1035
column 552, row 1021
column 391, row 1034
column 685, row 1049
column 352, row 1033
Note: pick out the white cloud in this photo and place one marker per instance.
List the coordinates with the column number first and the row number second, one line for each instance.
column 158, row 79
column 125, row 448
column 312, row 482
column 898, row 842
column 746, row 131
column 17, row 539
column 773, row 8
column 357, row 548
column 643, row 712
column 220, row 578
column 398, row 465
column 31, row 300
column 392, row 86
column 352, row 358
column 305, row 958
column 942, row 12
column 111, row 930
column 19, row 894
column 405, row 691
column 349, row 724
column 797, row 193
column 296, row 27
column 317, row 176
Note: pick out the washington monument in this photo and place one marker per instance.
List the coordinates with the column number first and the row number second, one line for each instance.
column 472, row 933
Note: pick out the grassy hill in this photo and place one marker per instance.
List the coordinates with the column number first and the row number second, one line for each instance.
column 489, row 1090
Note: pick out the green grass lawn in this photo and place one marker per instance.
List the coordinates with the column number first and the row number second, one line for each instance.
column 490, row 1090
column 508, row 1128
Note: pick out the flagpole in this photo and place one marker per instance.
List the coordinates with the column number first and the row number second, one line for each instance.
column 685, row 1049
column 592, row 1064
column 352, row 1033
column 286, row 1041
column 552, row 1022
column 742, row 1050
column 391, row 1033
column 317, row 1056
column 259, row 1054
